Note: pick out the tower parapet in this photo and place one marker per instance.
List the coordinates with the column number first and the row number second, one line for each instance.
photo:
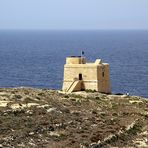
column 75, row 60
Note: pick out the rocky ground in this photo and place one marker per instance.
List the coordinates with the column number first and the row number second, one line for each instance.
column 47, row 118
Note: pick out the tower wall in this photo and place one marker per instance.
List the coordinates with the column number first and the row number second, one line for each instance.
column 89, row 75
column 104, row 78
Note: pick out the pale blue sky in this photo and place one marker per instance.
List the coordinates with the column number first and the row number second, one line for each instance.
column 74, row 14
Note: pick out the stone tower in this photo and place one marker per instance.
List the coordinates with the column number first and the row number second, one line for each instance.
column 79, row 75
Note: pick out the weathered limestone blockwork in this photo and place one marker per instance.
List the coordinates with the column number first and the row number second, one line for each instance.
column 93, row 76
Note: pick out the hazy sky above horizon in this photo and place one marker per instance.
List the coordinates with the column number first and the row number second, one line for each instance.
column 73, row 14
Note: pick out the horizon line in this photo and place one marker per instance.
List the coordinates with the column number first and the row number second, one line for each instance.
column 25, row 29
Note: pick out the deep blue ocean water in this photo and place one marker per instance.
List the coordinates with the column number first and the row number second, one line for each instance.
column 36, row 58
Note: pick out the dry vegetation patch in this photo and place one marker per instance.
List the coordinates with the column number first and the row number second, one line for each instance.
column 45, row 118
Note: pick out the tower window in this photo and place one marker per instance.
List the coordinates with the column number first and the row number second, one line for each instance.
column 103, row 74
column 80, row 76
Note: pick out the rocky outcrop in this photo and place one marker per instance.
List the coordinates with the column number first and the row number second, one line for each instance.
column 49, row 118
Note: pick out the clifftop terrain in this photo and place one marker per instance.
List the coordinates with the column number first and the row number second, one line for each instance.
column 47, row 118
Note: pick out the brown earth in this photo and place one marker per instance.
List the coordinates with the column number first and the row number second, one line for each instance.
column 47, row 118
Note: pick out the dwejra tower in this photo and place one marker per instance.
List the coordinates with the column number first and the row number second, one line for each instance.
column 79, row 75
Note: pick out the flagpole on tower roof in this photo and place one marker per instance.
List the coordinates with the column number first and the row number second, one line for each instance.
column 82, row 53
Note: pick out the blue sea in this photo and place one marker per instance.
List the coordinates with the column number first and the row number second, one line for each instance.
column 36, row 58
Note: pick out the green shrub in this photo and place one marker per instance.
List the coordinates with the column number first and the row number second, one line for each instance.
column 136, row 128
column 18, row 97
column 90, row 90
column 66, row 96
